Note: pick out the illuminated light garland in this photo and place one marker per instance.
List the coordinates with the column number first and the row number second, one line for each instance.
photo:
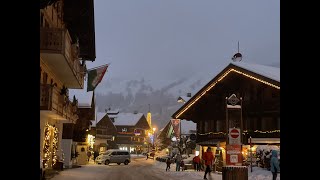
column 221, row 78
column 244, row 132
column 50, row 154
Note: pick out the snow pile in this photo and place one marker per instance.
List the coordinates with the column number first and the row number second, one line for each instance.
column 260, row 174
column 265, row 150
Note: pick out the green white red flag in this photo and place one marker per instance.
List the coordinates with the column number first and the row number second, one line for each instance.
column 95, row 76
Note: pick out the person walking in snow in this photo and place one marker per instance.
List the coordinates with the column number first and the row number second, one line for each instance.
column 168, row 162
column 182, row 165
column 196, row 162
column 209, row 159
column 274, row 164
column 178, row 160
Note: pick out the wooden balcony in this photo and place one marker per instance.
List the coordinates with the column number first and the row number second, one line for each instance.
column 104, row 136
column 52, row 103
column 58, row 52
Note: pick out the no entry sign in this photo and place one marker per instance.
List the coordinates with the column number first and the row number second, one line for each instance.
column 234, row 136
column 234, row 133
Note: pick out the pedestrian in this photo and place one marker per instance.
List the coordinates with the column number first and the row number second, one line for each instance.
column 182, row 165
column 274, row 163
column 89, row 155
column 168, row 161
column 208, row 158
column 196, row 162
column 178, row 160
column 95, row 155
column 147, row 156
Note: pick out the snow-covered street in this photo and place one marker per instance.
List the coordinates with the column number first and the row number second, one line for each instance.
column 141, row 169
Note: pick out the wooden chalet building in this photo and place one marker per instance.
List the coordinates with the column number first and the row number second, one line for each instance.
column 105, row 133
column 259, row 88
column 65, row 27
column 132, row 131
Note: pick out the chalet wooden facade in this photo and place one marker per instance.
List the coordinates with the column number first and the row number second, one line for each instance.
column 104, row 131
column 63, row 31
column 259, row 88
column 132, row 131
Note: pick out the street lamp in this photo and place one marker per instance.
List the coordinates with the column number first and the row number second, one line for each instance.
column 154, row 130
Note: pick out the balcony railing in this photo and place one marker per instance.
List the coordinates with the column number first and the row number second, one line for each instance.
column 51, row 100
column 58, row 41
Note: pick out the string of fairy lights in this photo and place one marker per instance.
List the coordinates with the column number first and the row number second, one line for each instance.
column 244, row 132
column 50, row 145
column 220, row 79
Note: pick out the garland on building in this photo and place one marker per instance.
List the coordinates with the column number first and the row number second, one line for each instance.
column 244, row 132
column 54, row 146
column 48, row 152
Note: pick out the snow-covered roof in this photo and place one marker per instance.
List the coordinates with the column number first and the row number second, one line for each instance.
column 266, row 71
column 272, row 73
column 113, row 112
column 184, row 98
column 84, row 98
column 186, row 126
column 100, row 115
column 127, row 119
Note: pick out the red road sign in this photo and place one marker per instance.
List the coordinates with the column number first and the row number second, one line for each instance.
column 234, row 133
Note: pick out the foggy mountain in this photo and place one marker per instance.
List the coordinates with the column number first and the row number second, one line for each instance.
column 138, row 94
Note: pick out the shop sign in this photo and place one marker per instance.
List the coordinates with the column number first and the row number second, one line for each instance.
column 234, row 155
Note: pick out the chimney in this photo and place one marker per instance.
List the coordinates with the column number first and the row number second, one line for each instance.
column 188, row 94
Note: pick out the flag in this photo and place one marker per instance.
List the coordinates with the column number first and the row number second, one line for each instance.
column 95, row 76
column 176, row 127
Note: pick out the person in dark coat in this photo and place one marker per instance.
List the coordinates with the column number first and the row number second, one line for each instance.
column 182, row 165
column 95, row 154
column 168, row 162
column 274, row 164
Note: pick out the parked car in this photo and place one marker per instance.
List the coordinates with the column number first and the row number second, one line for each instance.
column 114, row 156
column 42, row 170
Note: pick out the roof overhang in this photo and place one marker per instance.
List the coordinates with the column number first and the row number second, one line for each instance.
column 231, row 68
column 79, row 19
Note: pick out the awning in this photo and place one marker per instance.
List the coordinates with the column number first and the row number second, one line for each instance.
column 79, row 19
column 209, row 143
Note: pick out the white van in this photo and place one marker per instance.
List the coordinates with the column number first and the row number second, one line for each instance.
column 114, row 156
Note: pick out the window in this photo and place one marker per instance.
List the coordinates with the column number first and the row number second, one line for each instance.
column 114, row 153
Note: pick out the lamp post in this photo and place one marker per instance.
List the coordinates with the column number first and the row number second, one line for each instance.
column 154, row 130
column 149, row 135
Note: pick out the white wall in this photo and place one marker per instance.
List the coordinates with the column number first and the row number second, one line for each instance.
column 66, row 145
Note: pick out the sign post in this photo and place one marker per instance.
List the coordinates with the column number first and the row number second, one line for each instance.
column 234, row 140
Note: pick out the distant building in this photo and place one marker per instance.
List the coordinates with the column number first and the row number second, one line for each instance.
column 104, row 131
column 132, row 131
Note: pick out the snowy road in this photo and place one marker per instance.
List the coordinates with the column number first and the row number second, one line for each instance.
column 142, row 169
column 139, row 168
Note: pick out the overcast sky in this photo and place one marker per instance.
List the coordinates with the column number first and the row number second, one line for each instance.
column 164, row 40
